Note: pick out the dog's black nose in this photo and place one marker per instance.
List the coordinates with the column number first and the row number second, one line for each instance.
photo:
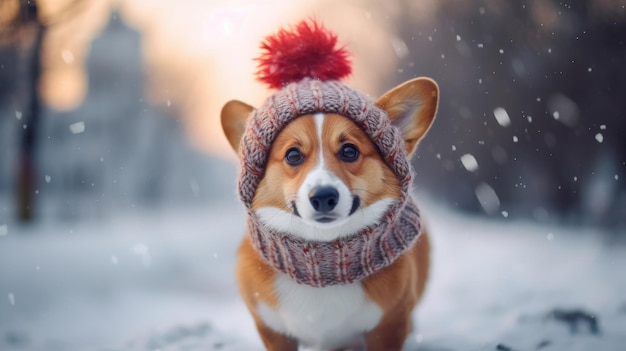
column 324, row 198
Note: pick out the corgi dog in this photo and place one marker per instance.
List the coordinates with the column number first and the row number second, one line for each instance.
column 324, row 179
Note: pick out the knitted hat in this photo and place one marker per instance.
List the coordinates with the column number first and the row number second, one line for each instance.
column 305, row 65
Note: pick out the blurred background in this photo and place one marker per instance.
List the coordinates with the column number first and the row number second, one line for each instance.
column 111, row 105
column 110, row 109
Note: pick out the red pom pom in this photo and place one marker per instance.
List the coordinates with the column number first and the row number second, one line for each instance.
column 306, row 51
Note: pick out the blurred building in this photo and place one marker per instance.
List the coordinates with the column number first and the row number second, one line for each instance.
column 115, row 151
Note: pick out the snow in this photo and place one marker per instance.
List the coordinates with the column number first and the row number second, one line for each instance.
column 502, row 117
column 68, row 56
column 564, row 109
column 494, row 284
column 469, row 162
column 77, row 128
column 599, row 138
column 487, row 197
column 399, row 47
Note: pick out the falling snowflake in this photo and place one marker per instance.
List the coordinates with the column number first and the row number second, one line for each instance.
column 599, row 138
column 195, row 187
column 487, row 198
column 77, row 128
column 469, row 162
column 68, row 56
column 399, row 47
column 502, row 116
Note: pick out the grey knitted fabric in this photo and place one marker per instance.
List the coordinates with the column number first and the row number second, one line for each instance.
column 347, row 259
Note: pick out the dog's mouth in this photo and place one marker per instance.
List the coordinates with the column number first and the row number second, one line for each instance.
column 329, row 217
column 325, row 219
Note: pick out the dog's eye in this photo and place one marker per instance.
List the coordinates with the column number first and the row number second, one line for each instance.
column 294, row 157
column 349, row 153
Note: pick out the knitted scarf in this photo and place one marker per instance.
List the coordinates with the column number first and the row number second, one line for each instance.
column 347, row 259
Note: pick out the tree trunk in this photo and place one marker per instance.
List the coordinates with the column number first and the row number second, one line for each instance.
column 27, row 172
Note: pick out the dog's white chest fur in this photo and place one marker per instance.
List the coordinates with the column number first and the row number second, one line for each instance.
column 320, row 317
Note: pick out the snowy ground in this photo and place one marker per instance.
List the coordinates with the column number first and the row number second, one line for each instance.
column 164, row 281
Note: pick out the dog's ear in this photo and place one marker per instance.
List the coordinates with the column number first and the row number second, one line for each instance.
column 411, row 106
column 234, row 116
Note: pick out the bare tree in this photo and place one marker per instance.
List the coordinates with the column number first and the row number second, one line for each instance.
column 26, row 25
column 21, row 24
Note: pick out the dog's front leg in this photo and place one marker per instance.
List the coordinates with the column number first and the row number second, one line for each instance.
column 274, row 341
column 390, row 333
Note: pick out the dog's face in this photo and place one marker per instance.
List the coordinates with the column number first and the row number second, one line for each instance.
column 324, row 177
